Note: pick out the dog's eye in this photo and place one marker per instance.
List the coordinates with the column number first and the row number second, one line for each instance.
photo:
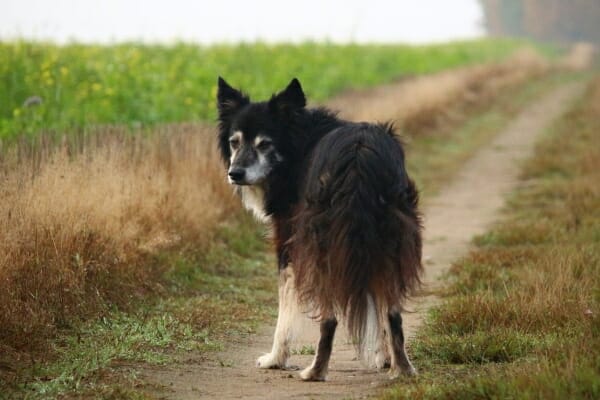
column 264, row 145
column 234, row 143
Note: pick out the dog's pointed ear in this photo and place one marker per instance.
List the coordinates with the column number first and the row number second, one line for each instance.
column 229, row 100
column 289, row 99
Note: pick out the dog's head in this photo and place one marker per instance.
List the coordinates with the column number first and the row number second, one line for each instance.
column 253, row 136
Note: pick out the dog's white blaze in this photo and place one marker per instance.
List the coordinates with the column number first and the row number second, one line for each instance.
column 253, row 198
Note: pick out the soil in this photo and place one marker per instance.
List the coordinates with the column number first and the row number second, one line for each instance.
column 464, row 208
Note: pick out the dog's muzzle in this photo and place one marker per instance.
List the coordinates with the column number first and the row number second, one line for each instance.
column 237, row 176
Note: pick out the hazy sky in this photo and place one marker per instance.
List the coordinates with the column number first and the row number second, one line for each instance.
column 413, row 21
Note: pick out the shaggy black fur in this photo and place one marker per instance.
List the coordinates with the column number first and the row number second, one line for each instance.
column 343, row 208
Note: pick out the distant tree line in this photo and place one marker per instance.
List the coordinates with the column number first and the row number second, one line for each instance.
column 547, row 20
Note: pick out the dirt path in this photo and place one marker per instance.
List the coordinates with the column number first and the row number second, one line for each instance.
column 464, row 208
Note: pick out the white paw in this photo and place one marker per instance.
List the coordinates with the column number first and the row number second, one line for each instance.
column 309, row 374
column 395, row 373
column 381, row 361
column 270, row 361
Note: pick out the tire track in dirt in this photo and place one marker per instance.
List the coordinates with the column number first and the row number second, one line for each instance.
column 466, row 207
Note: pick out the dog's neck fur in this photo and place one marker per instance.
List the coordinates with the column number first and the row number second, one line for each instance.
column 253, row 198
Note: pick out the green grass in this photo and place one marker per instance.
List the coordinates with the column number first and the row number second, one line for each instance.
column 306, row 350
column 520, row 317
column 83, row 85
column 112, row 339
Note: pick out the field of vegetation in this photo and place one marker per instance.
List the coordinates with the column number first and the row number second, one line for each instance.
column 117, row 246
column 520, row 316
column 49, row 87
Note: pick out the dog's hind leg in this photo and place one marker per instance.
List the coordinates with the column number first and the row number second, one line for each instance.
column 399, row 362
column 286, row 320
column 382, row 353
column 317, row 371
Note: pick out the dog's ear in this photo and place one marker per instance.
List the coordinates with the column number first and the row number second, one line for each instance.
column 229, row 100
column 288, row 100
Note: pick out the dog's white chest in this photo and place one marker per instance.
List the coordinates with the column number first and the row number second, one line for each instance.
column 253, row 198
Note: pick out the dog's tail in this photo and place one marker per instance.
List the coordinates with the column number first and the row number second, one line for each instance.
column 358, row 238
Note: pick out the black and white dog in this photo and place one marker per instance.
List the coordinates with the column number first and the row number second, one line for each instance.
column 344, row 214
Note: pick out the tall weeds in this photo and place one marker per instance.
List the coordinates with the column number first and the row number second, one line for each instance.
column 82, row 222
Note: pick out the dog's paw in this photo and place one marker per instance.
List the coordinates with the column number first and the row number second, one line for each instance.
column 311, row 374
column 270, row 361
column 395, row 373
column 382, row 361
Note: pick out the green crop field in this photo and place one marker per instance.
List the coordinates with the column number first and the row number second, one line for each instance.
column 46, row 87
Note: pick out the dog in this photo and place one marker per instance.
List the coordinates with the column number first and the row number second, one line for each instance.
column 344, row 216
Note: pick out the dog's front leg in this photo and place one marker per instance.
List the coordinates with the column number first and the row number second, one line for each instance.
column 284, row 331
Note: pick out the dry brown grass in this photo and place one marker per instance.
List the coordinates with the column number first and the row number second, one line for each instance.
column 80, row 227
column 422, row 104
column 539, row 270
column 552, row 293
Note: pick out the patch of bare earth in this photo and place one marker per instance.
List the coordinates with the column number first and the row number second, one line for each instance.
column 464, row 208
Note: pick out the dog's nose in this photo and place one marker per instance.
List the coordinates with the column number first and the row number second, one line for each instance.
column 237, row 174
